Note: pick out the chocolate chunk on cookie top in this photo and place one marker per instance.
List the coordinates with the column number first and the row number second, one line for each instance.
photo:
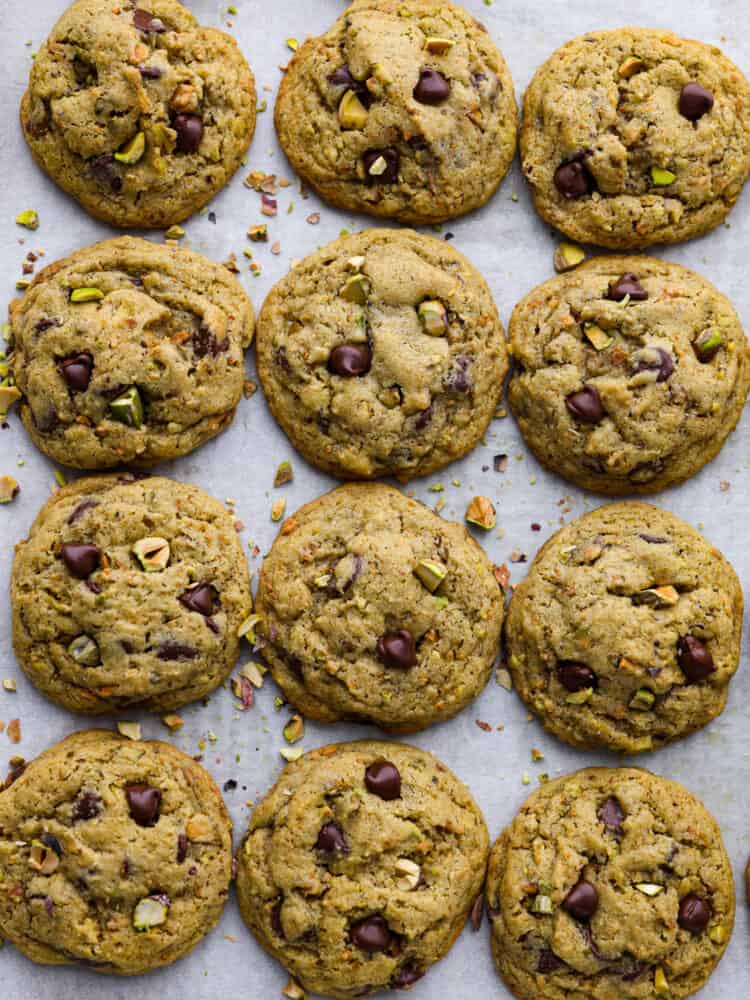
column 382, row 354
column 626, row 632
column 361, row 866
column 129, row 592
column 114, row 854
column 140, row 114
column 373, row 608
column 630, row 373
column 129, row 352
column 403, row 109
column 610, row 882
column 633, row 137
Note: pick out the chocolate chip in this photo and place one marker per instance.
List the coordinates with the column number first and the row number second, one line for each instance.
column 695, row 101
column 611, row 815
column 585, row 405
column 371, row 934
column 406, row 977
column 653, row 539
column 204, row 342
column 694, row 659
column 200, row 598
column 349, row 360
column 397, row 649
column 342, row 80
column 53, row 843
column 458, row 380
column 81, row 510
column 572, row 178
column 576, row 676
column 144, row 20
column 694, row 914
column 46, row 324
column 86, row 806
column 389, row 173
column 182, row 847
column 144, row 802
column 189, row 129
column 331, row 839
column 104, row 168
column 176, row 651
column 150, row 72
column 582, row 901
column 76, row 370
column 628, row 284
column 81, row 559
column 383, row 779
column 477, row 912
column 548, row 961
column 432, row 87
column 664, row 365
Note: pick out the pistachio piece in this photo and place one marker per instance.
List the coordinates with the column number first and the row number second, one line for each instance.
column 284, row 474
column 9, row 684
column 9, row 489
column 28, row 219
column 247, row 629
column 132, row 730
column 174, row 232
column 355, row 289
column 579, row 697
column 481, row 513
column 567, row 256
column 294, row 730
column 718, row 934
column 661, row 984
column 323, row 581
column 598, row 338
column 643, row 700
column 649, row 888
column 430, row 573
column 128, row 408
column 657, row 597
column 253, row 673
column 706, row 345
column 661, row 177
column 258, row 234
column 409, row 874
column 79, row 295
column 9, row 395
column 542, row 904
column 293, row 991
column 433, row 317
column 438, row 46
column 198, row 828
column 356, row 263
column 352, row 112
column 290, row 754
column 378, row 166
column 43, row 858
column 277, row 509
column 84, row 650
column 133, row 150
column 629, row 67
column 150, row 912
column 152, row 553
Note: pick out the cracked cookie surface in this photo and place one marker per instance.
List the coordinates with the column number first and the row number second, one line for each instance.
column 634, row 136
column 403, row 109
column 374, row 608
column 626, row 631
column 610, row 884
column 630, row 373
column 361, row 865
column 129, row 352
column 114, row 854
column 129, row 591
column 382, row 354
column 142, row 115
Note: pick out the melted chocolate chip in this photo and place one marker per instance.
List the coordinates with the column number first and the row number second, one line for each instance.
column 76, row 370
column 389, row 174
column 694, row 914
column 182, row 847
column 145, row 21
column 611, row 815
column 572, row 178
column 628, row 284
column 397, row 649
column 176, row 651
column 349, row 360
column 664, row 365
column 582, row 901
column 150, row 72
column 695, row 101
column 432, row 87
column 424, row 418
column 144, row 802
column 331, row 839
column 406, row 977
column 585, row 405
column 204, row 342
column 189, row 129
column 200, row 598
column 694, row 658
column 371, row 934
column 548, row 961
column 459, row 380
column 86, row 806
column 653, row 539
column 46, row 324
column 383, row 779
column 576, row 676
column 342, row 80
column 81, row 559
column 104, row 168
column 81, row 510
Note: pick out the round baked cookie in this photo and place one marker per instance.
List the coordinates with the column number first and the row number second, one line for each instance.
column 609, row 883
column 361, row 866
column 140, row 114
column 629, row 374
column 129, row 351
column 626, row 631
column 114, row 854
column 382, row 354
column 129, row 592
column 636, row 136
column 375, row 609
column 403, row 109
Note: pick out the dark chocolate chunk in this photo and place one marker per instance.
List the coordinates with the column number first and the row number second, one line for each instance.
column 383, row 779
column 695, row 101
column 586, row 405
column 189, row 129
column 76, row 370
column 582, row 901
column 81, row 559
column 397, row 649
column 86, row 806
column 694, row 914
column 350, row 360
column 200, row 598
column 576, row 676
column 144, row 802
column 628, row 285
column 694, row 658
column 389, row 172
column 331, row 838
column 432, row 87
column 371, row 934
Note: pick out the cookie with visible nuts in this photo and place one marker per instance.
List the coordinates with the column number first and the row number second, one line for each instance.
column 626, row 632
column 403, row 109
column 97, row 862
column 374, row 850
column 140, row 114
column 129, row 592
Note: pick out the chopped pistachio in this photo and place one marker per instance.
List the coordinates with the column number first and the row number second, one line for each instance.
column 60, row 478
column 152, row 553
column 409, row 874
column 292, row 44
column 629, row 67
column 355, row 289
column 356, row 263
column 277, row 509
column 173, row 721
column 294, row 730
column 43, row 858
column 542, row 904
column 253, row 673
column 84, row 650
column 150, row 912
column 661, row 983
column 28, row 219
column 9, row 489
column 433, row 316
column 707, row 344
column 481, row 513
column 128, row 408
column 174, row 233
column 130, row 729
column 198, row 828
column 293, row 991
column 258, row 234
column 133, row 150
column 430, row 573
column 598, row 338
column 643, row 700
column 9, row 684
column 79, row 295
column 284, row 474
column 323, row 581
column 579, row 697
column 718, row 934
column 438, row 46
column 649, row 888
column 504, row 679
column 352, row 112
column 378, row 167
column 662, row 177
column 657, row 597
column 290, row 754
column 567, row 256
column 247, row 629
column 9, row 395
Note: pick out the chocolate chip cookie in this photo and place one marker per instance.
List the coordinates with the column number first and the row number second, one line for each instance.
column 375, row 609
column 140, row 114
column 626, row 632
column 114, row 854
column 610, row 882
column 382, row 354
column 129, row 352
column 634, row 136
column 630, row 373
column 360, row 867
column 129, row 592
column 403, row 109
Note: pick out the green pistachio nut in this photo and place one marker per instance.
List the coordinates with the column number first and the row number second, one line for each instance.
column 150, row 912
column 133, row 150
column 661, row 177
column 128, row 408
column 85, row 651
column 152, row 553
column 352, row 112
column 643, row 700
column 430, row 573
column 433, row 316
column 356, row 289
column 79, row 295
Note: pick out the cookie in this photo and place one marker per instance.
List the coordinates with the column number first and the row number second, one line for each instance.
column 114, row 854
column 403, row 109
column 634, row 136
column 129, row 592
column 129, row 352
column 375, row 609
column 141, row 115
column 382, row 354
column 630, row 373
column 626, row 631
column 360, row 867
column 609, row 883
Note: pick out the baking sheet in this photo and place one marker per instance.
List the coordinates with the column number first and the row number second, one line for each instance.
column 514, row 251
